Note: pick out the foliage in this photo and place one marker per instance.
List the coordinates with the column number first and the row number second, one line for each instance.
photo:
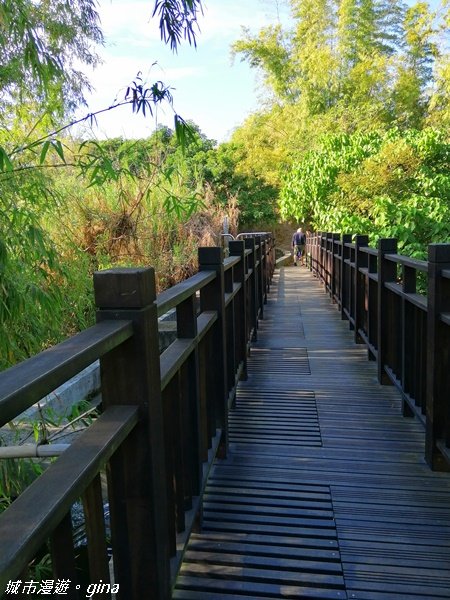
column 342, row 68
column 177, row 19
column 43, row 43
column 228, row 180
column 393, row 184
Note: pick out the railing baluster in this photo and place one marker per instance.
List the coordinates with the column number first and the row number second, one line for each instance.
column 190, row 401
column 335, row 237
column 260, row 277
column 372, row 307
column 361, row 241
column 96, row 531
column 63, row 556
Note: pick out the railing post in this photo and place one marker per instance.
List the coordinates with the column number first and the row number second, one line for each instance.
column 265, row 276
column 309, row 250
column 387, row 271
column 328, row 244
column 322, row 255
column 253, row 294
column 131, row 375
column 361, row 261
column 372, row 302
column 260, row 276
column 438, row 343
column 315, row 255
column 238, row 249
column 334, row 249
column 345, row 285
column 212, row 297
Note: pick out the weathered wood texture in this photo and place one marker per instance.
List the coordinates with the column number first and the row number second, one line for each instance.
column 324, row 493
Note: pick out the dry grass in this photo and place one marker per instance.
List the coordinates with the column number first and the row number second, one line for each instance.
column 153, row 238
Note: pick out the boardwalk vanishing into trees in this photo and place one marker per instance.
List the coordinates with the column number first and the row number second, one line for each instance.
column 325, row 492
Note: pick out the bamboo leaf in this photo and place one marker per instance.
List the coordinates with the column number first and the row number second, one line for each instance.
column 45, row 147
column 57, row 145
column 5, row 161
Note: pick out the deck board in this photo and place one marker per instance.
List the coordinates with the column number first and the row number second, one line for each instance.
column 325, row 492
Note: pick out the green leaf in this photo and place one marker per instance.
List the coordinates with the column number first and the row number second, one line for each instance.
column 45, row 147
column 57, row 145
column 5, row 161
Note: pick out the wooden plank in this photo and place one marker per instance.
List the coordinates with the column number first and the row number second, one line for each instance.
column 221, row 569
column 243, row 557
column 268, row 547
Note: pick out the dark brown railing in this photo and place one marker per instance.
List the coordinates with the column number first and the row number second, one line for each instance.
column 163, row 419
column 400, row 308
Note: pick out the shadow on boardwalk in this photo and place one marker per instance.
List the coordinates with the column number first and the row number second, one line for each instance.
column 325, row 492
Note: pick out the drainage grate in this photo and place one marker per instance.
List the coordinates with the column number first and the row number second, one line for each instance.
column 277, row 362
column 283, row 332
column 262, row 538
column 274, row 417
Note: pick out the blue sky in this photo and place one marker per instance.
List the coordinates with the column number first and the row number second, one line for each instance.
column 208, row 88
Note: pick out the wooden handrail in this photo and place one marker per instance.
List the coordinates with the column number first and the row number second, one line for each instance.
column 407, row 261
column 406, row 331
column 164, row 417
column 24, row 384
column 25, row 525
column 175, row 295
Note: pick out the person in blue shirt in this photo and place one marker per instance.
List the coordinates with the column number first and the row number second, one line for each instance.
column 298, row 245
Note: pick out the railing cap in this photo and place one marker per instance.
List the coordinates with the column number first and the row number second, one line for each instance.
column 439, row 253
column 210, row 255
column 124, row 287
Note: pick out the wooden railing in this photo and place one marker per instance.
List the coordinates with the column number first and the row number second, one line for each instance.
column 163, row 419
column 400, row 308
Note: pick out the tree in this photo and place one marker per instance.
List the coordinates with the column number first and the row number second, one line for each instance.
column 415, row 69
column 394, row 184
column 42, row 43
column 269, row 51
column 312, row 53
column 439, row 105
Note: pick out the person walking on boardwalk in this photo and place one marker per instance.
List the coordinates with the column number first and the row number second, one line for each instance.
column 298, row 244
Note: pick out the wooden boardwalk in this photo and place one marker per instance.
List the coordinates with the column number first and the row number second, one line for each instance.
column 325, row 492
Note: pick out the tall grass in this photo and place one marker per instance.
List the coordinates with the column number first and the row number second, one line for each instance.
column 46, row 287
